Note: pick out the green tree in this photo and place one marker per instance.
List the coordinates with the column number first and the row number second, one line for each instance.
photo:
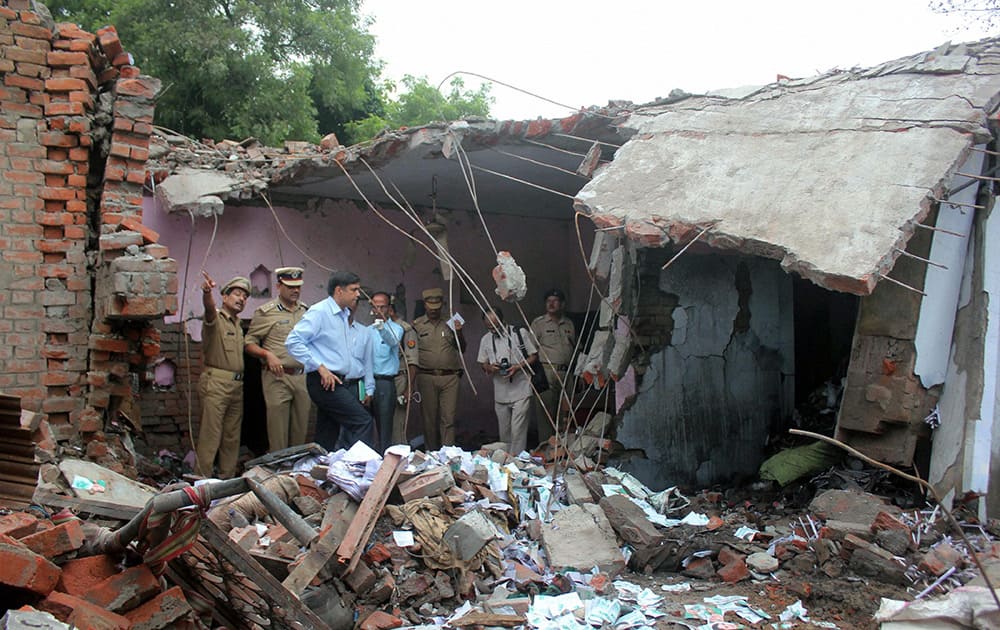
column 976, row 13
column 421, row 103
column 273, row 69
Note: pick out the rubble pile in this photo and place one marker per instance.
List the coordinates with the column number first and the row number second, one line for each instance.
column 486, row 539
column 45, row 560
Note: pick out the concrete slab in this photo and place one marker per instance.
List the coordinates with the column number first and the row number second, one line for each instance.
column 574, row 539
column 827, row 177
column 119, row 489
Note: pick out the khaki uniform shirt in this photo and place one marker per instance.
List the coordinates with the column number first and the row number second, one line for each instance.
column 436, row 345
column 556, row 340
column 410, row 354
column 270, row 326
column 222, row 342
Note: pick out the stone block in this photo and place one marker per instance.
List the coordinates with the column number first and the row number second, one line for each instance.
column 574, row 539
column 427, row 484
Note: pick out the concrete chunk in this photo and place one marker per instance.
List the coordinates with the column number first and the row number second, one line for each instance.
column 575, row 540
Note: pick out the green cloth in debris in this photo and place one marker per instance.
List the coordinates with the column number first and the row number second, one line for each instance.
column 793, row 463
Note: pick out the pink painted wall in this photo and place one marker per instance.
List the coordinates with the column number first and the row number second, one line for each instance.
column 344, row 236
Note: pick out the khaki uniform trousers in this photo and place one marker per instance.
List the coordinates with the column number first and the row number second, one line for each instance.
column 399, row 419
column 552, row 400
column 287, row 401
column 438, row 400
column 221, row 419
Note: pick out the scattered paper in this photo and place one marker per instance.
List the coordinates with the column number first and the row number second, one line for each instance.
column 403, row 538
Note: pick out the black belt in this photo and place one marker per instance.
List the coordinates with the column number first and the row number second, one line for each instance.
column 347, row 381
column 385, row 377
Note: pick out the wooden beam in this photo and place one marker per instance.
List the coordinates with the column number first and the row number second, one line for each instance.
column 357, row 535
column 90, row 506
column 268, row 584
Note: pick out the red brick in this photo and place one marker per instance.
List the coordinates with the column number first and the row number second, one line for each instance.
column 125, row 590
column 122, row 124
column 163, row 611
column 939, row 559
column 30, row 30
column 65, row 84
column 109, row 42
column 728, row 556
column 58, row 139
column 379, row 620
column 18, row 524
column 56, row 541
column 64, row 109
column 734, row 572
column 108, row 344
column 81, row 574
column 128, row 72
column 16, row 80
column 67, row 30
column 884, row 520
column 37, row 57
column 22, row 568
column 82, row 614
column 136, row 176
column 61, row 59
column 139, row 153
column 132, row 223
column 140, row 88
column 79, row 155
column 64, row 194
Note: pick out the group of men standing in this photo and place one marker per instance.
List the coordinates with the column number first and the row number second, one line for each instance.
column 320, row 354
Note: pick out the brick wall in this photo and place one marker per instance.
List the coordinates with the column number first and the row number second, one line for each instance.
column 75, row 119
column 165, row 410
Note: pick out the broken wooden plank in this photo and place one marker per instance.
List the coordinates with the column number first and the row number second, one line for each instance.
column 476, row 618
column 357, row 535
column 340, row 512
column 270, row 586
column 292, row 452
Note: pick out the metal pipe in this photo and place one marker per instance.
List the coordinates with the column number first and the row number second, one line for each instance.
column 294, row 523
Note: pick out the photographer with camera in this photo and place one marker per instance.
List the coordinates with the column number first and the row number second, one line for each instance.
column 505, row 353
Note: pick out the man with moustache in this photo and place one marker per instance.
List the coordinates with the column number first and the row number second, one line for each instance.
column 221, row 383
column 283, row 379
column 439, row 370
column 337, row 358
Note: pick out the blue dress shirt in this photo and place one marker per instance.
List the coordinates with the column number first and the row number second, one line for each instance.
column 324, row 337
column 386, row 343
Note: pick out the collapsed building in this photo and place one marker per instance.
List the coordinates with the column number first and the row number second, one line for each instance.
column 729, row 253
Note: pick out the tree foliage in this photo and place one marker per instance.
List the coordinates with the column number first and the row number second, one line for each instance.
column 982, row 13
column 420, row 103
column 273, row 69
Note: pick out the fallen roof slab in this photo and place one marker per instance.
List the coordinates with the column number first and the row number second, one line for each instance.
column 827, row 175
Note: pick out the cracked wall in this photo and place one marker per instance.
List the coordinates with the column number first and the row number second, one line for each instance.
column 718, row 372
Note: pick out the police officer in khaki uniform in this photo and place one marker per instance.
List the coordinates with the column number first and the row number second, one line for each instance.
column 405, row 380
column 439, row 371
column 221, row 383
column 556, row 341
column 283, row 379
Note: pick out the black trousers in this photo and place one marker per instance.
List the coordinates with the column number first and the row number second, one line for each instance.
column 341, row 419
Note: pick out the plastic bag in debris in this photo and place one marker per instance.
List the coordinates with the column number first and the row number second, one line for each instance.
column 794, row 463
column 509, row 277
column 354, row 469
column 964, row 607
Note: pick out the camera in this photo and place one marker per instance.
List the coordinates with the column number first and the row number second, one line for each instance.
column 504, row 366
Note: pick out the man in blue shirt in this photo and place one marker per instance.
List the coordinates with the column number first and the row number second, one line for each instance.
column 386, row 336
column 336, row 357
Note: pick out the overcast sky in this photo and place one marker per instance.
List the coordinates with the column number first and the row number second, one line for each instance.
column 586, row 52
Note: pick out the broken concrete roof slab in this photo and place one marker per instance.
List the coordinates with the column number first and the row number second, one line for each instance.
column 197, row 190
column 827, row 175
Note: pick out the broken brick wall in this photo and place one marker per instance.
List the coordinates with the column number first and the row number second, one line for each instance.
column 164, row 407
column 884, row 403
column 715, row 353
column 74, row 128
